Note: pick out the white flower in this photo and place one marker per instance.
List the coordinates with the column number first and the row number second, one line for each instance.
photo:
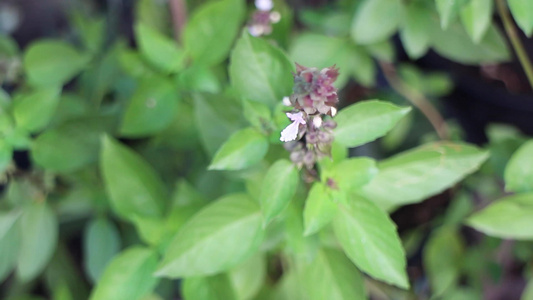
column 264, row 5
column 291, row 132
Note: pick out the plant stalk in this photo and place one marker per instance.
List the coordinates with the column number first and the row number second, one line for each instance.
column 178, row 10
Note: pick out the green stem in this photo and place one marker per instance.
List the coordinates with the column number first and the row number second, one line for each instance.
column 512, row 33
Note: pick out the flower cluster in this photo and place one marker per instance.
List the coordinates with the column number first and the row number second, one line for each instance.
column 263, row 18
column 314, row 97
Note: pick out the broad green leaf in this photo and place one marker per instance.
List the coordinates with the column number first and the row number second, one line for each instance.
column 216, row 239
column 132, row 185
column 369, row 239
column 52, row 63
column 442, row 259
column 6, row 153
column 366, row 121
column 39, row 231
column 243, row 149
column 448, row 10
column 353, row 173
column 416, row 31
column 151, row 108
column 414, row 175
column 382, row 51
column 455, row 44
column 260, row 71
column 160, row 50
column 376, row 20
column 209, row 34
column 476, row 17
column 70, row 146
column 199, row 79
column 258, row 115
column 518, row 173
column 9, row 242
column 332, row 276
column 151, row 230
column 217, row 287
column 129, row 276
column 321, row 51
column 291, row 286
column 522, row 11
column 248, row 277
column 34, row 110
column 154, row 14
column 279, row 186
column 297, row 244
column 101, row 242
column 508, row 218
column 319, row 208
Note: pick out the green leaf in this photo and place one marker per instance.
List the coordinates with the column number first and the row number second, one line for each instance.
column 216, row 287
column 528, row 291
column 508, row 218
column 6, row 153
column 353, row 173
column 39, row 230
column 414, row 175
column 369, row 239
column 332, row 276
column 382, row 51
column 129, row 276
column 442, row 259
column 151, row 109
column 279, row 186
column 258, row 115
column 52, row 63
column 101, row 242
column 133, row 187
column 455, row 44
column 161, row 51
column 522, row 11
column 321, row 51
column 209, row 34
column 376, row 20
column 216, row 239
column 366, row 121
column 248, row 277
column 319, row 208
column 476, row 17
column 518, row 173
column 9, row 242
column 243, row 149
column 416, row 31
column 260, row 71
column 70, row 146
column 448, row 10
column 34, row 110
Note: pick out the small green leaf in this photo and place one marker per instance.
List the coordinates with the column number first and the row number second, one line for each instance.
column 369, row 238
column 39, row 230
column 70, row 146
column 160, row 50
column 9, row 242
column 332, row 276
column 129, row 276
column 476, row 17
column 248, row 277
column 101, row 243
column 257, row 114
column 416, row 31
column 151, row 109
column 448, row 10
column 414, row 175
column 52, row 63
column 34, row 110
column 279, row 186
column 366, row 121
column 132, row 185
column 243, row 149
column 522, row 11
column 376, row 20
column 353, row 173
column 508, row 218
column 209, row 34
column 260, row 71
column 6, row 153
column 442, row 259
column 217, row 287
column 319, row 208
column 216, row 239
column 518, row 173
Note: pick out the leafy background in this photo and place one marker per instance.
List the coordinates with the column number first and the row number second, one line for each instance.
column 140, row 151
